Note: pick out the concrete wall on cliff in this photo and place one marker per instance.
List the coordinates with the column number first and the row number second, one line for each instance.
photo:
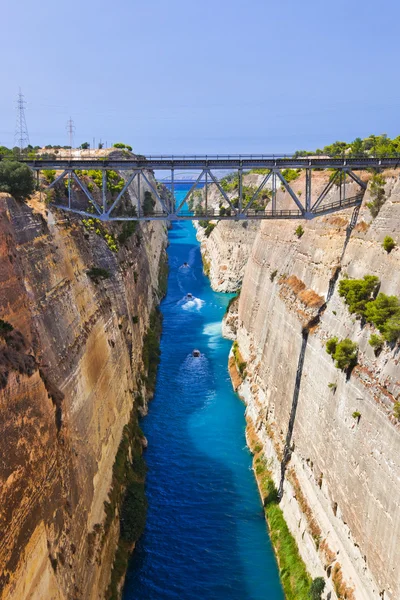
column 69, row 378
column 347, row 469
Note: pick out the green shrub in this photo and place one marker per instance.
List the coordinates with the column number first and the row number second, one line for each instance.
column 49, row 175
column 331, row 345
column 384, row 313
column 135, row 319
column 291, row 174
column 357, row 292
column 391, row 331
column 396, row 410
column 241, row 364
column 376, row 341
column 151, row 347
column 273, row 275
column 332, row 386
column 133, row 511
column 293, row 573
column 377, row 192
column 299, row 231
column 16, row 179
column 128, row 229
column 345, row 355
column 316, row 588
column 203, row 223
column 148, row 204
column 356, row 415
column 121, row 145
column 96, row 273
column 209, row 229
column 388, row 244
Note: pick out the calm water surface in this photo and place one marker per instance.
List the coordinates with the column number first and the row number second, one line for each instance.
column 206, row 536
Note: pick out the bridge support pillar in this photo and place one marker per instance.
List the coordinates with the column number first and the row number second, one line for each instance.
column 173, row 189
column 273, row 192
column 104, row 190
column 240, row 174
column 308, row 190
column 138, row 193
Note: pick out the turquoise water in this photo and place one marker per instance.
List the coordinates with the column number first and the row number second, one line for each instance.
column 206, row 537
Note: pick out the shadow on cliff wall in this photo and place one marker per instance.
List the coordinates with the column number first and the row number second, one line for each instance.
column 288, row 449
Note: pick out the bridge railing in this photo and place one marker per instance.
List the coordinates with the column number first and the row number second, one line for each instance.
column 194, row 157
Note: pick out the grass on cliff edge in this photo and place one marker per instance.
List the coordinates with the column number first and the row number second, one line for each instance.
column 295, row 579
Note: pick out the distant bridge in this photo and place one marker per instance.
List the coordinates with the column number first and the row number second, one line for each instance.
column 137, row 168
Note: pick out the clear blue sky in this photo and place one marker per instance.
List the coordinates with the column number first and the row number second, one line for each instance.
column 202, row 76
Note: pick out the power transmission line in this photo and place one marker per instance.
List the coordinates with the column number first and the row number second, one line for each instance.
column 71, row 131
column 21, row 129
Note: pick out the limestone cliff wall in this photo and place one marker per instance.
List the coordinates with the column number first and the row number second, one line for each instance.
column 226, row 251
column 69, row 376
column 341, row 495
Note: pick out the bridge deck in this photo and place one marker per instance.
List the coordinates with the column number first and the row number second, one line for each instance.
column 215, row 162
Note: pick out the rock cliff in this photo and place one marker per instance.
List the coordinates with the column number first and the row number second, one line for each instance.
column 71, row 373
column 333, row 435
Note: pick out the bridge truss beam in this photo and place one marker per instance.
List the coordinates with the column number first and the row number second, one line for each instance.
column 125, row 208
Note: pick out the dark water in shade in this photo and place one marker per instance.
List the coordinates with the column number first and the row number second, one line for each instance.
column 206, row 536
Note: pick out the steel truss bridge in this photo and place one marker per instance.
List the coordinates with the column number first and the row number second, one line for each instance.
column 208, row 167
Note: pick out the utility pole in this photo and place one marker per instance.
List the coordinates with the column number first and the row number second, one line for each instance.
column 21, row 130
column 71, row 130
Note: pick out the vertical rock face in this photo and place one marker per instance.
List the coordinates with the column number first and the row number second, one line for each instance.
column 341, row 494
column 69, row 375
column 226, row 252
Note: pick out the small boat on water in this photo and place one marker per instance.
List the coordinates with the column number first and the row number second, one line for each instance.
column 196, row 353
column 189, row 296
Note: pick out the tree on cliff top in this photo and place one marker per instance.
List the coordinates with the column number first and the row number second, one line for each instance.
column 16, row 179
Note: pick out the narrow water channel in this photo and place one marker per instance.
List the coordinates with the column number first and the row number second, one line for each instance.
column 206, row 537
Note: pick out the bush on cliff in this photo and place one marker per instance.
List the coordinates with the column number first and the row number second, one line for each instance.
column 151, row 347
column 16, row 179
column 357, row 292
column 209, row 229
column 291, row 174
column 148, row 204
column 316, row 589
column 384, row 313
column 376, row 341
column 295, row 579
column 396, row 410
column 344, row 353
column 97, row 273
column 388, row 244
column 377, row 192
column 331, row 345
column 128, row 229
